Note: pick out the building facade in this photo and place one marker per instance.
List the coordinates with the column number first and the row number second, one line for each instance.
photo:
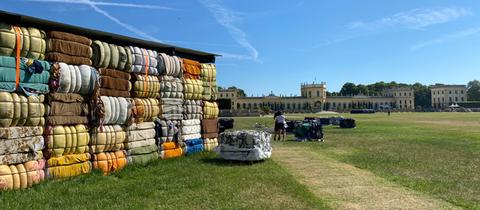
column 445, row 95
column 313, row 98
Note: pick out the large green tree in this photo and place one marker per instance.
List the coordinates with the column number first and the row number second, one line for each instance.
column 349, row 89
column 473, row 90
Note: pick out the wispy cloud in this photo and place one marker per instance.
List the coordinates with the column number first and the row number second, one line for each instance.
column 446, row 38
column 228, row 19
column 93, row 5
column 414, row 19
column 101, row 3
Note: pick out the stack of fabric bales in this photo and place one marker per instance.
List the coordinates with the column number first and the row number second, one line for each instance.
column 171, row 99
column 23, row 81
column 210, row 108
column 141, row 146
column 245, row 145
column 193, row 93
column 72, row 82
column 111, row 106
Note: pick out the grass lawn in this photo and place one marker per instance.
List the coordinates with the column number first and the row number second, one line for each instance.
column 200, row 181
column 433, row 153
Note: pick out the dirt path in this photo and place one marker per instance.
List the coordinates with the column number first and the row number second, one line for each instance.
column 348, row 187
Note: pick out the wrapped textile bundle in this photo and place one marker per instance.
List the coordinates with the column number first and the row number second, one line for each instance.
column 209, row 78
column 33, row 78
column 210, row 128
column 145, row 86
column 171, row 109
column 167, row 130
column 210, row 110
column 171, row 87
column 193, row 146
column 113, row 83
column 140, row 144
column 245, row 145
column 191, row 129
column 192, row 109
column 108, row 110
column 20, row 144
column 145, row 109
column 21, row 176
column 111, row 56
column 170, row 150
column 73, row 79
column 191, row 69
column 66, row 140
column 193, row 89
column 210, row 144
column 144, row 61
column 18, row 110
column 68, row 165
column 32, row 41
column 170, row 65
column 66, row 109
column 107, row 138
column 69, row 48
column 109, row 161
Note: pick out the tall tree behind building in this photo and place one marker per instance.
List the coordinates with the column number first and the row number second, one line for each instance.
column 473, row 90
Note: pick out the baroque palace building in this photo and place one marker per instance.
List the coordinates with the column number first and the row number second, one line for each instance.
column 314, row 98
column 445, row 95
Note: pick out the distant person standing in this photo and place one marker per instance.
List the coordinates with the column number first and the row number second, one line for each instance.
column 280, row 123
column 389, row 112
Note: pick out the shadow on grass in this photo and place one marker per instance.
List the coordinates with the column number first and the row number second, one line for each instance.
column 222, row 162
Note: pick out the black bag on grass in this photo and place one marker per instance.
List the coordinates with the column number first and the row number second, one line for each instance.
column 347, row 123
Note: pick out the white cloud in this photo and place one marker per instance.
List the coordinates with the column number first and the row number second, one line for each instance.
column 415, row 19
column 228, row 19
column 446, row 38
column 93, row 5
column 101, row 3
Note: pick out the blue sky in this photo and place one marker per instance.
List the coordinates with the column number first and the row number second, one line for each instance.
column 274, row 45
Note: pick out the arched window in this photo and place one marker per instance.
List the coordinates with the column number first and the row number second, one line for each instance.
column 244, row 105
column 318, row 93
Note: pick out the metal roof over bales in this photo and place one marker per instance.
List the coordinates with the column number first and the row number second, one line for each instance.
column 23, row 20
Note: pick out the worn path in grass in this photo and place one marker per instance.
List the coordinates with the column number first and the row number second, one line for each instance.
column 348, row 187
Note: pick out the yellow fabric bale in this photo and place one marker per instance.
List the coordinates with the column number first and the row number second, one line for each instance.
column 69, row 165
column 107, row 138
column 210, row 110
column 64, row 140
column 18, row 110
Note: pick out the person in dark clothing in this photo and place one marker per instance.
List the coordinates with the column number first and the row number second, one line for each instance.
column 279, row 127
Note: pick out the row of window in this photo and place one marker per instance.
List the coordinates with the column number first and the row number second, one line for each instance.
column 226, row 95
column 449, row 92
column 437, row 100
column 404, row 94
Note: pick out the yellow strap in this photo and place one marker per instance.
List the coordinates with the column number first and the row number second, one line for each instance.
column 145, row 85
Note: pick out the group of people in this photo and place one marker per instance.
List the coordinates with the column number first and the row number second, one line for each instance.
column 280, row 126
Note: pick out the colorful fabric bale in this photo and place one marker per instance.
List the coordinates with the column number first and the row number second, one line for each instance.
column 170, row 65
column 191, row 69
column 33, row 79
column 140, row 143
column 172, row 109
column 32, row 41
column 66, row 140
column 111, row 56
column 191, row 129
column 193, row 146
column 210, row 128
column 170, row 150
column 21, row 144
column 192, row 109
column 66, row 109
column 73, row 79
column 245, row 145
column 167, row 130
column 209, row 78
column 68, row 165
column 145, row 86
column 18, row 110
column 144, row 61
column 193, row 89
column 69, row 48
column 210, row 144
column 145, row 109
column 171, row 87
column 111, row 111
column 109, row 162
column 21, row 176
column 210, row 110
column 107, row 138
column 113, row 83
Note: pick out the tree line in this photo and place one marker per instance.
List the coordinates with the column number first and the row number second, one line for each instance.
column 422, row 92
